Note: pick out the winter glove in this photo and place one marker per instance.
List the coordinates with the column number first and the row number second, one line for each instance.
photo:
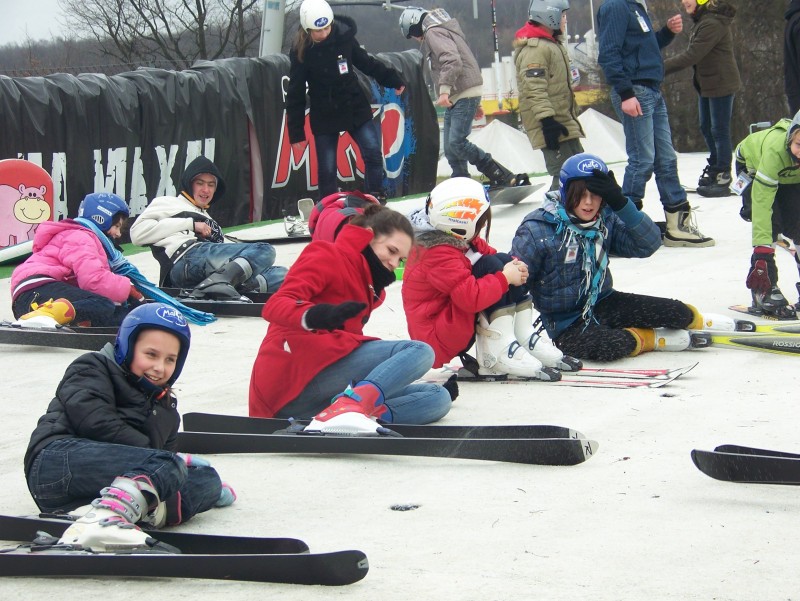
column 332, row 317
column 193, row 460
column 606, row 187
column 226, row 496
column 552, row 131
column 763, row 270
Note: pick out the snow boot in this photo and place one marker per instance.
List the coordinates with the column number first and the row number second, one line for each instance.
column 498, row 175
column 719, row 187
column 499, row 353
column 708, row 176
column 221, row 285
column 528, row 337
column 681, row 229
column 772, row 304
column 108, row 525
column 353, row 412
column 50, row 314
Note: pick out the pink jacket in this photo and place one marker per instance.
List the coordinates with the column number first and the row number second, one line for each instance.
column 70, row 253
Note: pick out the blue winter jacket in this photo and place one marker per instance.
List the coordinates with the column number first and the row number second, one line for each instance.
column 629, row 55
column 555, row 283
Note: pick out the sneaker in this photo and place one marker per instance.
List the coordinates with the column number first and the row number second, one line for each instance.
column 720, row 187
column 50, row 314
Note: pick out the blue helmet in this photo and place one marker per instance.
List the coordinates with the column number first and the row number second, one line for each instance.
column 101, row 207
column 579, row 166
column 144, row 317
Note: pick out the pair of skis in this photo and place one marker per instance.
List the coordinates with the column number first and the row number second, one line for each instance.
column 736, row 463
column 540, row 445
column 281, row 560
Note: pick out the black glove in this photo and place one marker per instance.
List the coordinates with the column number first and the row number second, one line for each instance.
column 552, row 131
column 332, row 317
column 606, row 187
column 763, row 270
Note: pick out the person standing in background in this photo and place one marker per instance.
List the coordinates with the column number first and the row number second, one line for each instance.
column 791, row 56
column 716, row 79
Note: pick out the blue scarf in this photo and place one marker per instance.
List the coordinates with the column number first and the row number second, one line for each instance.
column 590, row 236
column 121, row 266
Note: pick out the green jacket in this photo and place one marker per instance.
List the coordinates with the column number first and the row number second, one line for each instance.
column 545, row 85
column 770, row 164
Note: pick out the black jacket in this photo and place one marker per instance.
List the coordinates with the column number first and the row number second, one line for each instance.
column 338, row 102
column 98, row 400
column 791, row 56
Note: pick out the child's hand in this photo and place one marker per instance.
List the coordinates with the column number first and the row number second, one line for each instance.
column 516, row 272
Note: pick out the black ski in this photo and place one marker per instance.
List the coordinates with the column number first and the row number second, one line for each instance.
column 183, row 294
column 235, row 424
column 54, row 337
column 741, row 450
column 540, row 451
column 224, row 308
column 748, row 468
column 15, row 528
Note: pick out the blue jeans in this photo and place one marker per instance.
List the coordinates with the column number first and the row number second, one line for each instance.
column 457, row 126
column 368, row 138
column 70, row 472
column 207, row 257
column 97, row 310
column 648, row 142
column 393, row 366
column 715, row 125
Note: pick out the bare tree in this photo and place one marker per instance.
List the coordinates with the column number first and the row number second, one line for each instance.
column 176, row 31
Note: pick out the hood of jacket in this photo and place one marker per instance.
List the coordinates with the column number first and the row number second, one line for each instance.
column 720, row 8
column 531, row 31
column 202, row 165
column 438, row 17
column 48, row 229
column 438, row 238
column 344, row 28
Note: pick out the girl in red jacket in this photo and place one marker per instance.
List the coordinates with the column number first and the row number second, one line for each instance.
column 315, row 349
column 453, row 274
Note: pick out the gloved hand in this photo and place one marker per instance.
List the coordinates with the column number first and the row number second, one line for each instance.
column 606, row 187
column 763, row 270
column 193, row 460
column 552, row 131
column 226, row 496
column 332, row 317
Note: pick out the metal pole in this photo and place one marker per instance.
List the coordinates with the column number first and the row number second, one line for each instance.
column 498, row 68
column 273, row 16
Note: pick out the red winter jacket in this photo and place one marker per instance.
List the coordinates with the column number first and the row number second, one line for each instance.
column 290, row 356
column 331, row 213
column 441, row 296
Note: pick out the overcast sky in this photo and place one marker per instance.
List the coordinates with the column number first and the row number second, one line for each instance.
column 38, row 17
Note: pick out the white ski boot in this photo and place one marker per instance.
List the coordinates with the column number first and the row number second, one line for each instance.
column 667, row 339
column 353, row 413
column 499, row 353
column 108, row 525
column 543, row 350
column 716, row 322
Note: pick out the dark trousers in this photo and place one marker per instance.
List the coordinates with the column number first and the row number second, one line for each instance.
column 605, row 339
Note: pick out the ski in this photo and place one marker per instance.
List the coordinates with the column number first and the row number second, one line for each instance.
column 183, row 294
column 234, row 424
column 748, row 468
column 539, row 451
column 748, row 310
column 61, row 337
column 14, row 528
column 331, row 569
column 766, row 328
column 649, row 374
column 742, row 450
column 784, row 344
column 224, row 308
column 579, row 380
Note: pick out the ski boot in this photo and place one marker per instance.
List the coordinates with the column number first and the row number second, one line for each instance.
column 708, row 176
column 719, row 187
column 667, row 339
column 221, row 285
column 353, row 413
column 108, row 524
column 50, row 314
column 499, row 353
column 545, row 351
column 499, row 176
column 772, row 304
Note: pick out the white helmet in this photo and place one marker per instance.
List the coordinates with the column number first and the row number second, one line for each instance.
column 315, row 14
column 455, row 205
column 547, row 12
column 411, row 16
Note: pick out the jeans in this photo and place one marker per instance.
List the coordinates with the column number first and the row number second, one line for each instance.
column 207, row 257
column 715, row 125
column 457, row 126
column 492, row 264
column 89, row 307
column 368, row 138
column 393, row 366
column 648, row 142
column 70, row 472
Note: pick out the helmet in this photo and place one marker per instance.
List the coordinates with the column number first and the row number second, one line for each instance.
column 455, row 205
column 547, row 12
column 315, row 14
column 101, row 207
column 579, row 166
column 152, row 316
column 412, row 15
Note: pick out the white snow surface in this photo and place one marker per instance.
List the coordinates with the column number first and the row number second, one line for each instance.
column 636, row 521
